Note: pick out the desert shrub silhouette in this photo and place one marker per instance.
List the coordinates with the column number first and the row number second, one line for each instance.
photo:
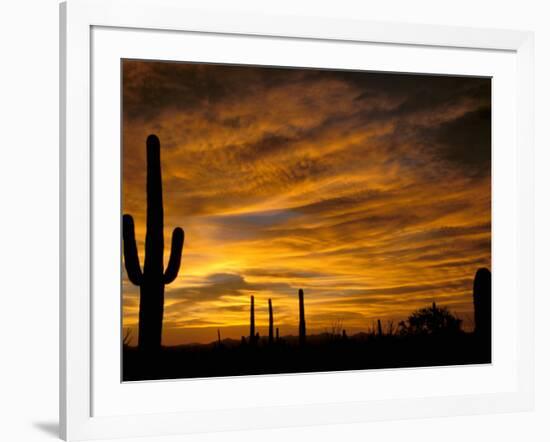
column 431, row 320
column 153, row 278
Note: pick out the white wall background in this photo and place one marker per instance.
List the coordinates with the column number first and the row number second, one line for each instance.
column 29, row 220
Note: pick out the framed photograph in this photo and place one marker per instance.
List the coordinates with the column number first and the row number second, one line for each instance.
column 274, row 221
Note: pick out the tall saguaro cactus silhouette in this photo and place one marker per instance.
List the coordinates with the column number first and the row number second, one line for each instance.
column 302, row 325
column 153, row 278
column 482, row 303
column 270, row 321
column 252, row 322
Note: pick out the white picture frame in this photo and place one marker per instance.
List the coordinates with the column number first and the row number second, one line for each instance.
column 92, row 406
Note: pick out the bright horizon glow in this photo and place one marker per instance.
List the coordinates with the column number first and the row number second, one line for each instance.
column 370, row 191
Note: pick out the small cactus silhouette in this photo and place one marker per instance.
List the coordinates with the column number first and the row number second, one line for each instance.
column 270, row 321
column 277, row 333
column 380, row 333
column 482, row 302
column 302, row 325
column 153, row 278
column 252, row 322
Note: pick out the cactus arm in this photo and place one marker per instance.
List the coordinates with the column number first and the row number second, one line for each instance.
column 175, row 256
column 131, row 259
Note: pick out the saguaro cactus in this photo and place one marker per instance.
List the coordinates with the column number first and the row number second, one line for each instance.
column 302, row 325
column 153, row 278
column 252, row 325
column 270, row 321
column 482, row 302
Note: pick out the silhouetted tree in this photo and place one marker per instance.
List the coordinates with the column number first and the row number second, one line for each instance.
column 379, row 328
column 431, row 320
column 302, row 325
column 482, row 302
column 270, row 321
column 153, row 278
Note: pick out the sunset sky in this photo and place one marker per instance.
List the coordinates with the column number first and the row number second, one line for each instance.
column 371, row 191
